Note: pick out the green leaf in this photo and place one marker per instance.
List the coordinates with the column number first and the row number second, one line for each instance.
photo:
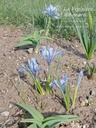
column 77, row 28
column 31, row 121
column 41, row 31
column 60, row 116
column 39, row 87
column 90, row 20
column 36, row 114
column 53, row 121
column 33, row 126
column 32, row 39
column 92, row 48
column 45, row 37
column 23, row 42
column 85, row 35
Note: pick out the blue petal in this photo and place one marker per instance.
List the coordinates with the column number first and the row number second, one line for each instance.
column 21, row 70
column 24, row 67
column 80, row 77
column 54, row 83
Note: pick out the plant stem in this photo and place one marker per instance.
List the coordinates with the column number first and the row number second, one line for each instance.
column 48, row 88
column 74, row 97
column 48, row 27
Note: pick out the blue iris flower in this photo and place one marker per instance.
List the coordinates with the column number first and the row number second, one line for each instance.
column 32, row 65
column 52, row 12
column 48, row 54
column 79, row 78
column 62, row 83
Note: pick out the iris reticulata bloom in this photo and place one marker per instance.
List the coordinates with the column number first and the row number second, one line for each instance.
column 48, row 54
column 32, row 65
column 52, row 12
column 62, row 83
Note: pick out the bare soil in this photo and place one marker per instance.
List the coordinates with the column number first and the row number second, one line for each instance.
column 11, row 91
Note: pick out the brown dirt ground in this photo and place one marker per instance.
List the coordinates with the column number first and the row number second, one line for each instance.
column 12, row 91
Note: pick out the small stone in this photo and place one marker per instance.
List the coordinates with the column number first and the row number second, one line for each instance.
column 9, row 57
column 59, row 112
column 84, row 126
column 5, row 113
column 7, row 90
column 92, row 92
column 84, row 62
column 3, row 91
column 16, row 79
column 30, row 50
column 12, row 51
column 82, row 101
column 10, row 105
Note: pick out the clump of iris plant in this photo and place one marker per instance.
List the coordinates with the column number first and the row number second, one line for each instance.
column 62, row 84
column 32, row 69
column 90, row 70
column 49, row 55
column 52, row 13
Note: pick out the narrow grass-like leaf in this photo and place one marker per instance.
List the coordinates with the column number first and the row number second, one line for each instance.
column 80, row 34
column 58, row 120
column 85, row 35
column 92, row 48
column 90, row 20
column 31, row 121
column 60, row 116
column 67, row 95
column 39, row 87
column 77, row 28
column 36, row 114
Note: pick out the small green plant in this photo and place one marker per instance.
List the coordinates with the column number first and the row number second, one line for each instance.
column 64, row 88
column 90, row 70
column 33, row 40
column 85, row 34
column 38, row 120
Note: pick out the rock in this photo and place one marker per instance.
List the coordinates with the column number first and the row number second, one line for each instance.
column 84, row 126
column 10, row 106
column 9, row 57
column 16, row 79
column 92, row 92
column 5, row 113
column 84, row 62
column 30, row 50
